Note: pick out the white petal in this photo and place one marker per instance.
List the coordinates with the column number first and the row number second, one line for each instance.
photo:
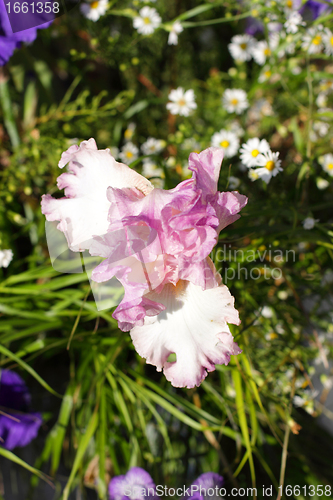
column 194, row 327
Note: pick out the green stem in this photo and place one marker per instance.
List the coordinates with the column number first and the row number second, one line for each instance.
column 7, row 109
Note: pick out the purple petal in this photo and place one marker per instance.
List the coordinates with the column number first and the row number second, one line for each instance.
column 207, row 481
column 135, row 485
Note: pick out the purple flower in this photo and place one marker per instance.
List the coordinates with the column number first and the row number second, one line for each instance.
column 315, row 9
column 136, row 484
column 18, row 426
column 9, row 40
column 206, row 487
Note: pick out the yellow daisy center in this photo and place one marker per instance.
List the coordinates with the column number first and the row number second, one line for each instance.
column 331, row 40
column 330, row 166
column 181, row 102
column 268, row 73
column 128, row 133
column 129, row 154
column 289, row 4
column 146, row 20
column 94, row 5
column 254, row 153
column 270, row 165
column 243, row 46
column 316, row 40
column 267, row 52
column 224, row 144
column 234, row 101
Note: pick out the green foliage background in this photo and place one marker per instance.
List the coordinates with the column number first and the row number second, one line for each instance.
column 105, row 409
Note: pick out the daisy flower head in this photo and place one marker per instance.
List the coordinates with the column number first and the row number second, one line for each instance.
column 313, row 40
column 147, row 21
column 235, row 101
column 129, row 132
column 236, row 128
column 322, row 183
column 309, row 223
column 173, row 35
column 269, row 165
column 293, row 22
column 326, row 162
column 129, row 153
column 151, row 169
column 226, row 140
column 251, row 150
column 182, row 103
column 328, row 42
column 291, row 5
column 265, row 74
column 6, row 257
column 241, row 47
column 253, row 176
column 94, row 10
column 261, row 52
column 152, row 146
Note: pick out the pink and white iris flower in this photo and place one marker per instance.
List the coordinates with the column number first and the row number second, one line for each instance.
column 156, row 243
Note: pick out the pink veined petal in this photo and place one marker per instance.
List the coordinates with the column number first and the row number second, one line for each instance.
column 227, row 206
column 83, row 212
column 206, row 168
column 194, row 327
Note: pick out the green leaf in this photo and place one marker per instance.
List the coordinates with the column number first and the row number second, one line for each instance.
column 85, row 439
column 11, row 456
column 30, row 370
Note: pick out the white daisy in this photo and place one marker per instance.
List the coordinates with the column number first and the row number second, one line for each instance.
column 326, row 162
column 235, row 101
column 241, row 46
column 129, row 132
column 173, row 35
column 322, row 183
column 182, row 103
column 291, row 5
column 326, row 86
column 5, row 257
column 293, row 22
column 253, row 176
column 261, row 108
column 129, row 153
column 236, row 128
column 313, row 40
column 94, row 10
column 151, row 169
column 265, row 74
column 319, row 129
column 321, row 100
column 328, row 42
column 251, row 150
column 226, row 140
column 152, row 146
column 309, row 222
column 270, row 165
column 234, row 182
column 147, row 21
column 261, row 52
